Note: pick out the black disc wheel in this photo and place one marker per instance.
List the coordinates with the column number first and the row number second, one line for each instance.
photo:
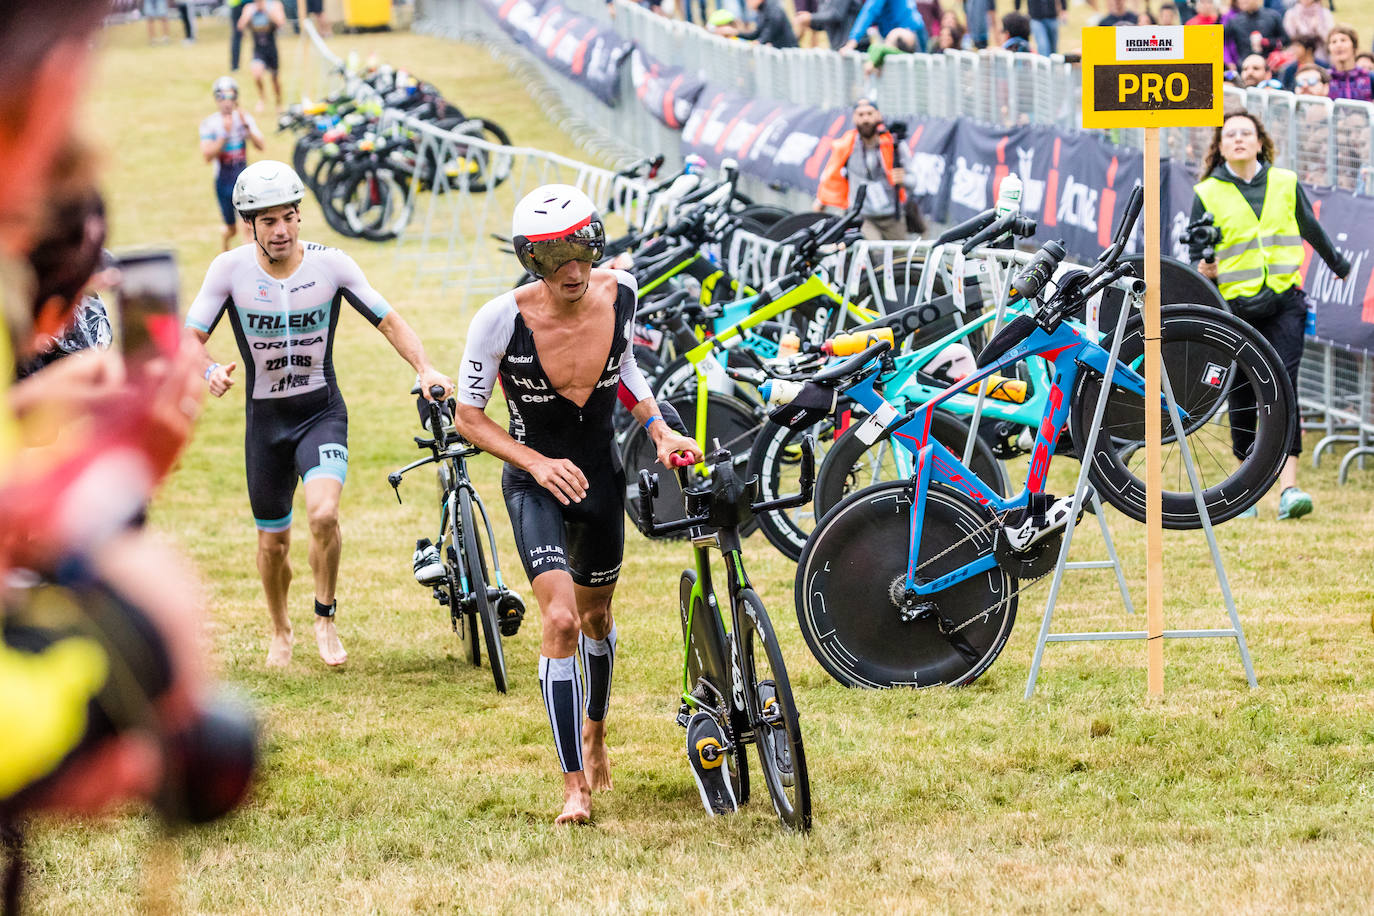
column 773, row 715
column 851, row 464
column 729, row 421
column 485, row 612
column 850, row 591
column 1239, row 416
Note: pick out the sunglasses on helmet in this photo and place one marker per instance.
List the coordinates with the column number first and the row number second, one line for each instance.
column 543, row 257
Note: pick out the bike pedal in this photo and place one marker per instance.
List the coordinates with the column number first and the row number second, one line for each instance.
column 706, row 750
column 510, row 611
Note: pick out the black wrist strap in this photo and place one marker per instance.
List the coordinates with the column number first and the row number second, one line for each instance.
column 326, row 610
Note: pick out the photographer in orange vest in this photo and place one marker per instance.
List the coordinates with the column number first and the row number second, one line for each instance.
column 868, row 154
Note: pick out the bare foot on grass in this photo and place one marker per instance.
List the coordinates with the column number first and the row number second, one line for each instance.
column 279, row 652
column 327, row 638
column 595, row 762
column 577, row 800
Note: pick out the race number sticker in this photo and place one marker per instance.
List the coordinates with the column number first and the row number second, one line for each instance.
column 1214, row 375
column 870, row 429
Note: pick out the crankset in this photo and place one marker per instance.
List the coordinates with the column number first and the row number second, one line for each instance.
column 1031, row 563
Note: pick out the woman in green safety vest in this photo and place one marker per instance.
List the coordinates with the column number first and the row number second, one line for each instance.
column 1264, row 217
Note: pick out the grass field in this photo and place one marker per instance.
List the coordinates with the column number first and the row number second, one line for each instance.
column 404, row 783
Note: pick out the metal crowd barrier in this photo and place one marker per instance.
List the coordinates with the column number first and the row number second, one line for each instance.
column 1327, row 142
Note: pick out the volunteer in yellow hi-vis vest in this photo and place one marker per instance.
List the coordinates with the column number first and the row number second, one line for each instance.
column 1264, row 217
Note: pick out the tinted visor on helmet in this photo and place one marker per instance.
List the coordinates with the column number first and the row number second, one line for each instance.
column 543, row 257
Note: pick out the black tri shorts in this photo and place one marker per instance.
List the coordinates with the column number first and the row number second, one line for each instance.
column 587, row 539
column 291, row 439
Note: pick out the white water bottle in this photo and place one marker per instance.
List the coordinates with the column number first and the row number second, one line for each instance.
column 1008, row 200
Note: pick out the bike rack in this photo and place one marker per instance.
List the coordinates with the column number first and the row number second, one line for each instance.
column 1046, row 636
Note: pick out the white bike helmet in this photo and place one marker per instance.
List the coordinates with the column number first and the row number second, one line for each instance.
column 553, row 225
column 266, row 184
column 225, row 85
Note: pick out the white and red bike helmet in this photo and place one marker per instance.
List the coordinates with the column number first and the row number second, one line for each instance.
column 553, row 225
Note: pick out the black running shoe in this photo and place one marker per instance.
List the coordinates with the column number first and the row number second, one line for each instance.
column 773, row 737
column 706, row 753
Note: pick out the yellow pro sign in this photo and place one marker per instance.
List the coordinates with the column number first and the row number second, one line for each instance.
column 1152, row 76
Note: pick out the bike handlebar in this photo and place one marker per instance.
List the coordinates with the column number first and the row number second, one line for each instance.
column 1011, row 222
column 648, row 489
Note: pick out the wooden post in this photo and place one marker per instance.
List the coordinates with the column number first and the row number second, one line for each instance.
column 1154, row 514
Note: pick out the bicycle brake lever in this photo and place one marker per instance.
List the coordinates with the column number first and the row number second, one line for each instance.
column 395, row 480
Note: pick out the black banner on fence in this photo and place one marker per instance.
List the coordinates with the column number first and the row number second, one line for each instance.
column 588, row 53
column 1345, row 308
column 669, row 93
column 770, row 140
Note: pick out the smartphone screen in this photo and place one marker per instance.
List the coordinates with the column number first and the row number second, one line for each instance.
column 149, row 325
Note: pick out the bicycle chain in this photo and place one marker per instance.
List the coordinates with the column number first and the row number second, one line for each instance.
column 1000, row 521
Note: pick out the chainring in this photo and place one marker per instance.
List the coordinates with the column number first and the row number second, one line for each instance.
column 1031, row 563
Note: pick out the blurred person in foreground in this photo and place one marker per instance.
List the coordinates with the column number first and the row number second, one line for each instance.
column 78, row 738
column 867, row 154
column 896, row 23
column 1264, row 218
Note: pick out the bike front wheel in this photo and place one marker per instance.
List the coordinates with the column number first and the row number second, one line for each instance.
column 485, row 611
column 850, row 590
column 776, row 460
column 1239, row 417
column 773, row 714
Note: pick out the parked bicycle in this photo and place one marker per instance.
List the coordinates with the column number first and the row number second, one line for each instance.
column 735, row 689
column 915, row 582
column 482, row 609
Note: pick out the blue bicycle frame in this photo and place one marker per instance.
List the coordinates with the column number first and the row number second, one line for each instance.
column 1067, row 348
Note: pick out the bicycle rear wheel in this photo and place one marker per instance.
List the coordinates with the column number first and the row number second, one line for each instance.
column 773, row 715
column 849, row 589
column 851, row 465
column 476, row 564
column 1227, row 379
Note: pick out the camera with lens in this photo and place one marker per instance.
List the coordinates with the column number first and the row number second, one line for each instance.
column 1202, row 235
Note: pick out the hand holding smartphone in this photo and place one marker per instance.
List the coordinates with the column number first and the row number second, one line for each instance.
column 149, row 324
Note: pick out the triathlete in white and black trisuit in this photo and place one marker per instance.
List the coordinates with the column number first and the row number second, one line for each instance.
column 297, row 422
column 586, row 538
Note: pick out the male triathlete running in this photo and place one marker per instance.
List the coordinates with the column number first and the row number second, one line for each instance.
column 283, row 298
column 224, row 138
column 562, row 347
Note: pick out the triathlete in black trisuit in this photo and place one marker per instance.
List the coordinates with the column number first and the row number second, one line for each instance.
column 562, row 349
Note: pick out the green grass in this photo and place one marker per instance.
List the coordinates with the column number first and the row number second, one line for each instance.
column 404, row 783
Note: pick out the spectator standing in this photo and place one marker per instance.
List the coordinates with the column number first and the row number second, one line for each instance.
column 224, row 138
column 1206, row 14
column 1308, row 17
column 894, row 20
column 1255, row 73
column 1303, row 51
column 155, row 11
column 981, row 19
column 235, row 33
column 188, row 21
column 1347, row 80
column 1016, row 27
column 1253, row 29
column 1264, row 217
column 1311, row 80
column 833, row 17
column 867, row 155
column 1045, row 16
column 771, row 28
column 1117, row 14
